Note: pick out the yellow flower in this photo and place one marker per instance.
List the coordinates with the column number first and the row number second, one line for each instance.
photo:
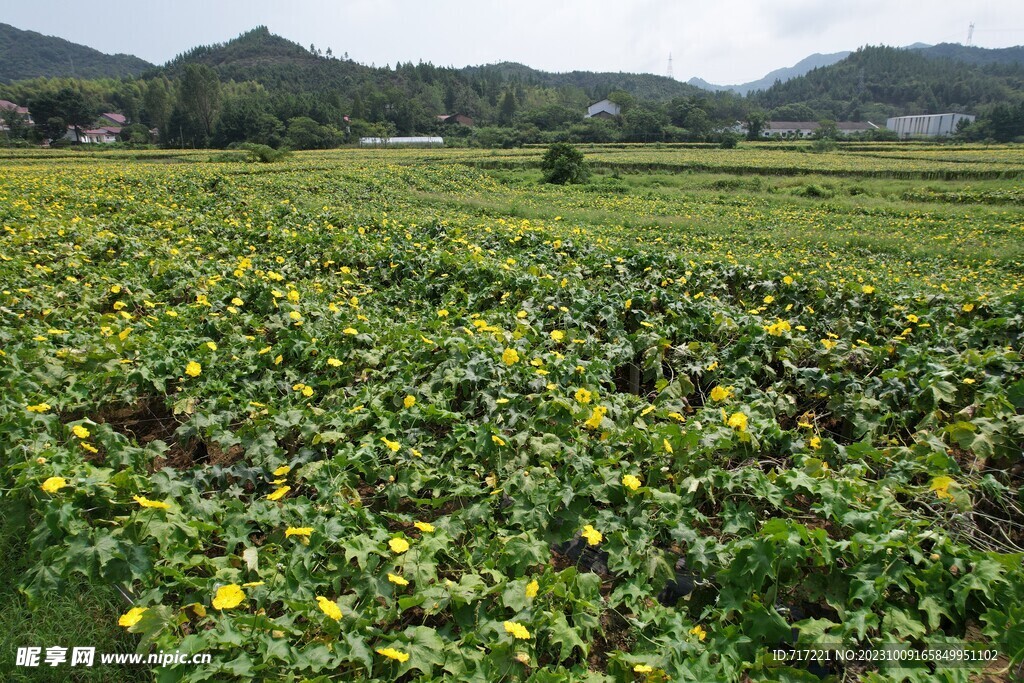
column 497, row 439
column 147, row 503
column 54, row 484
column 392, row 653
column 293, row 296
column 193, row 369
column 557, row 335
column 868, row 289
column 815, row 442
column 595, row 417
column 328, row 607
column 699, row 632
column 334, row 362
column 643, row 669
column 443, row 313
column 967, row 308
column 769, row 299
column 912, row 318
column 510, row 357
column 80, row 431
column 517, row 630
column 630, row 482
column 131, row 617
column 250, row 584
column 298, row 531
column 592, row 535
column 666, row 445
column 236, row 301
column 788, row 280
column 38, row 408
column 398, row 545
column 282, row 470
column 211, row 345
column 532, row 588
column 409, row 401
column 397, row 580
column 583, row 396
column 425, row 527
column 393, row 445
column 721, row 393
column 295, row 315
column 228, row 596
column 115, row 289
column 941, row 487
column 350, row 330
column 738, row 421
column 279, row 493
column 828, row 344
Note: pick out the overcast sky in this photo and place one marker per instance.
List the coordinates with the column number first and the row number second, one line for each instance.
column 722, row 41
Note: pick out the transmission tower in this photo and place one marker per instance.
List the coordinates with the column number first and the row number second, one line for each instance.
column 970, row 34
column 669, row 74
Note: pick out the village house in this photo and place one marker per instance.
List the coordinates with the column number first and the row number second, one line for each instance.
column 605, row 109
column 806, row 129
column 459, row 119
column 6, row 107
column 113, row 119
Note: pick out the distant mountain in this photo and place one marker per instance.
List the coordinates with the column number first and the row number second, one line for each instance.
column 799, row 69
column 27, row 54
column 875, row 82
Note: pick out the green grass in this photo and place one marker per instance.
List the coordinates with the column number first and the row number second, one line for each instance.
column 84, row 615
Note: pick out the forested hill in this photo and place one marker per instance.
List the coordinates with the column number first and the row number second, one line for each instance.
column 876, row 82
column 975, row 55
column 27, row 54
column 646, row 87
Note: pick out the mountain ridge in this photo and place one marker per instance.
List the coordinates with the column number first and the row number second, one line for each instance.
column 29, row 54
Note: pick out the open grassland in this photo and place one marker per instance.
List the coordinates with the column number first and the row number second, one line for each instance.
column 368, row 414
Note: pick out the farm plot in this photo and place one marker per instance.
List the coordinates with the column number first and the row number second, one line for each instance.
column 340, row 418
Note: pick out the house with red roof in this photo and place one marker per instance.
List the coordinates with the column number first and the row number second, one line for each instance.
column 7, row 107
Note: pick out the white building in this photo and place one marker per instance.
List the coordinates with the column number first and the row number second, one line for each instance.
column 929, row 125
column 806, row 129
column 605, row 109
column 422, row 141
column 93, row 136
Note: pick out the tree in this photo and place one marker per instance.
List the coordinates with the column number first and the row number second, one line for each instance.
column 199, row 97
column 246, row 116
column 66, row 107
column 623, row 99
column 508, row 108
column 641, row 124
column 156, row 103
column 305, row 133
column 563, row 163
column 827, row 130
column 135, row 133
column 756, row 121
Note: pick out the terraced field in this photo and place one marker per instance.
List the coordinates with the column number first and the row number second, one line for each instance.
column 401, row 414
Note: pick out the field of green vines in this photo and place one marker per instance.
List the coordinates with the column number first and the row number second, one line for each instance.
column 413, row 415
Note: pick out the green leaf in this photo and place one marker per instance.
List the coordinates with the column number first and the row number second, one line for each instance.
column 562, row 634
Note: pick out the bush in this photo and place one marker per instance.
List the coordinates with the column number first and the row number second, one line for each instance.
column 263, row 153
column 563, row 164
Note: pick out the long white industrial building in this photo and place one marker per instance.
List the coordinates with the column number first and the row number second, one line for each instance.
column 926, row 125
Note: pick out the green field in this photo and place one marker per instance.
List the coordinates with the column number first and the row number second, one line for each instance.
column 412, row 414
